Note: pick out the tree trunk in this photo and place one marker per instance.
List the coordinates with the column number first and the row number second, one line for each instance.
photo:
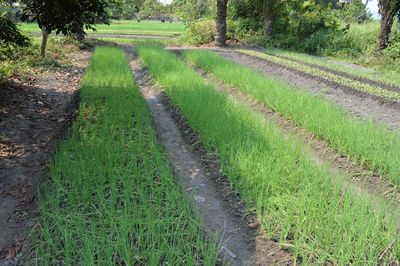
column 387, row 10
column 45, row 37
column 267, row 26
column 80, row 35
column 220, row 39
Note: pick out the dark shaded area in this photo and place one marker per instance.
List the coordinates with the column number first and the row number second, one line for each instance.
column 33, row 116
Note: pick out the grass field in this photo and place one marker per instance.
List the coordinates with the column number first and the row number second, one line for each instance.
column 145, row 27
column 365, row 141
column 111, row 197
column 136, row 41
column 299, row 202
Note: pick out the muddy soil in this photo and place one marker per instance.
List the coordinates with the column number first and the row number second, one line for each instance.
column 219, row 207
column 359, row 104
column 33, row 115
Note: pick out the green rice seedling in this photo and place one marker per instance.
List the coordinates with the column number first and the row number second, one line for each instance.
column 354, row 84
column 364, row 141
column 111, row 197
column 298, row 201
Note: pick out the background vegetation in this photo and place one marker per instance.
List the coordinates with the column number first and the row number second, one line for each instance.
column 325, row 28
column 317, row 27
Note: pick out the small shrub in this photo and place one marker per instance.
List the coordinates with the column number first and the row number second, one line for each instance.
column 318, row 42
column 391, row 55
column 200, row 32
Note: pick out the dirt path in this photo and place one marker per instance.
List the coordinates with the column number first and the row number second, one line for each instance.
column 359, row 104
column 32, row 117
column 218, row 207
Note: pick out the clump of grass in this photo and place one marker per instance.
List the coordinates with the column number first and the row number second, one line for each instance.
column 24, row 62
column 362, row 140
column 299, row 202
column 111, row 197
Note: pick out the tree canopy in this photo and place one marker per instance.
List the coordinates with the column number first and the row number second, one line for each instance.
column 10, row 34
column 66, row 16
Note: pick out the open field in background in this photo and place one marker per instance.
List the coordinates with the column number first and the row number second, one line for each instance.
column 111, row 197
column 299, row 202
column 145, row 27
column 365, row 141
column 136, row 41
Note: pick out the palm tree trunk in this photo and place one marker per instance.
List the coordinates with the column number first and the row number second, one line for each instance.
column 220, row 39
column 387, row 10
column 267, row 26
column 45, row 37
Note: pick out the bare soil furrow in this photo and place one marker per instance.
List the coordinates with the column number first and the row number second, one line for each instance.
column 221, row 210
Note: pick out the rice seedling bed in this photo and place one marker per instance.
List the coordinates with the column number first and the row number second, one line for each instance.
column 364, row 106
column 389, row 92
column 354, row 75
column 296, row 200
column 356, row 175
column 241, row 243
column 370, row 144
column 328, row 63
column 111, row 197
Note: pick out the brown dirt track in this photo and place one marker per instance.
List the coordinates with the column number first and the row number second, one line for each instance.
column 33, row 116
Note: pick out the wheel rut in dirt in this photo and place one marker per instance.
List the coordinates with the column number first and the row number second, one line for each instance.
column 355, row 175
column 220, row 209
column 33, row 115
column 357, row 103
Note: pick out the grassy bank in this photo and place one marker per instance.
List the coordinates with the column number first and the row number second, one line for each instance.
column 24, row 62
column 297, row 201
column 111, row 197
column 362, row 140
column 146, row 27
